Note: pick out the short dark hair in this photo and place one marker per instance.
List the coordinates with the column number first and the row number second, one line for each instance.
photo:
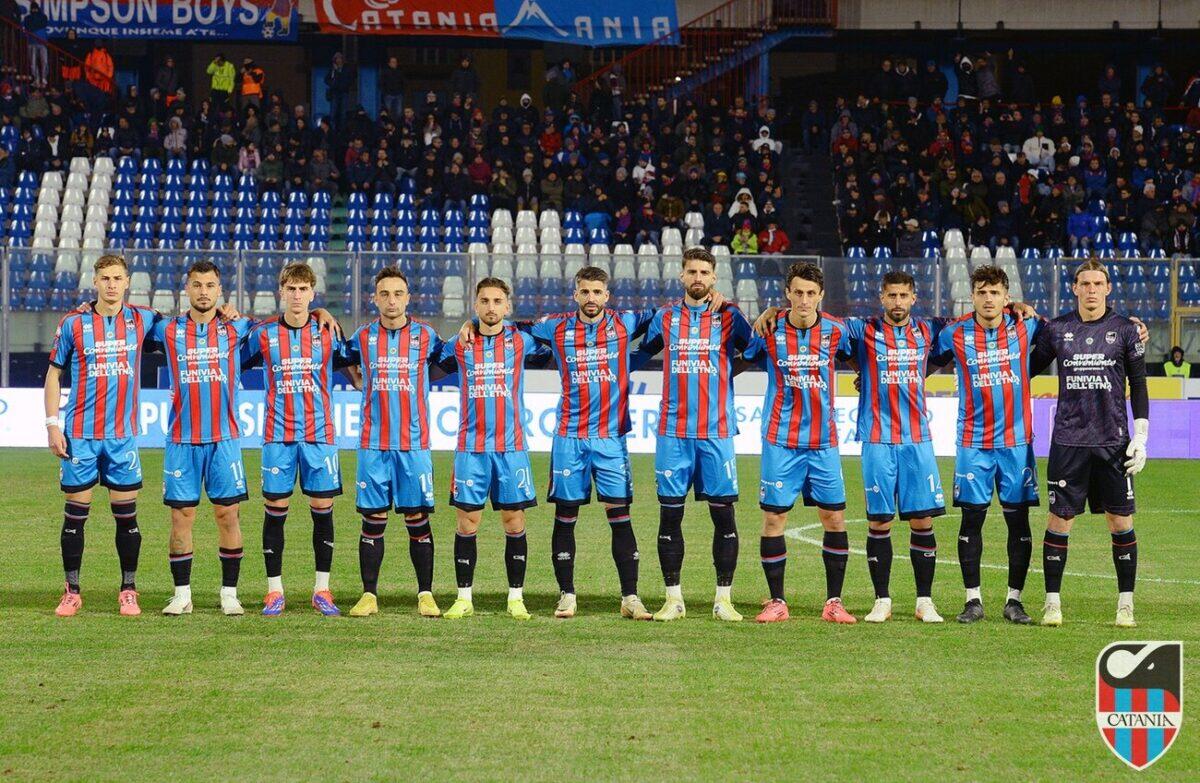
column 697, row 253
column 989, row 275
column 1091, row 265
column 389, row 272
column 898, row 277
column 592, row 274
column 203, row 267
column 493, row 282
column 805, row 271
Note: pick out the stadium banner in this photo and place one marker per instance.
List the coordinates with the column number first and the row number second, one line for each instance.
column 388, row 17
column 244, row 20
column 613, row 23
column 1174, row 425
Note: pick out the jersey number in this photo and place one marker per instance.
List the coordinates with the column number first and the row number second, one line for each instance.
column 331, row 465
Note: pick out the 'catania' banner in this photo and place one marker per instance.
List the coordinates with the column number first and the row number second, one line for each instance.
column 191, row 19
column 611, row 23
column 1174, row 425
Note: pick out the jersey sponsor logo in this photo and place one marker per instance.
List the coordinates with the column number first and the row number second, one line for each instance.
column 1139, row 699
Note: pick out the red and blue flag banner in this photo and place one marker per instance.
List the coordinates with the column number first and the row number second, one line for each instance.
column 252, row 20
column 613, row 23
column 1139, row 699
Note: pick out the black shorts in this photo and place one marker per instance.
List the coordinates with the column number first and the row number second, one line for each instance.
column 1094, row 475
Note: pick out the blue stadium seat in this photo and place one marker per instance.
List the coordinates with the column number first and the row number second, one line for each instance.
column 382, row 201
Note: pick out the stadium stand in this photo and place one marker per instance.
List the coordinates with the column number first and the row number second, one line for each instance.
column 1014, row 179
column 445, row 190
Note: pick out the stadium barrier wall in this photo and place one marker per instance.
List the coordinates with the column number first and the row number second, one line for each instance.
column 1174, row 425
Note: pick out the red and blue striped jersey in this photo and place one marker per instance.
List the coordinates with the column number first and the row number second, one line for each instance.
column 491, row 388
column 593, row 363
column 992, row 369
column 103, row 355
column 203, row 362
column 698, row 352
column 892, row 361
column 798, row 409
column 298, row 365
column 395, row 394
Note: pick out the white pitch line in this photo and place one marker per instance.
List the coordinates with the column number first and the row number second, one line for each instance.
column 798, row 533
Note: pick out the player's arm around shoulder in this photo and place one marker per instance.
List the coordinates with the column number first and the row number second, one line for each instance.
column 1045, row 350
column 941, row 350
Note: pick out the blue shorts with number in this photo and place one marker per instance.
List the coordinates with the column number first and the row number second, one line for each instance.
column 788, row 474
column 113, row 462
column 903, row 476
column 709, row 465
column 316, row 463
column 575, row 463
column 215, row 466
column 505, row 477
column 1013, row 471
column 394, row 479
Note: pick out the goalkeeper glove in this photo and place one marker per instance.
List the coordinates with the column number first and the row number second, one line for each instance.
column 1137, row 447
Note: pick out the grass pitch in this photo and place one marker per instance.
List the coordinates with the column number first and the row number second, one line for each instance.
column 395, row 697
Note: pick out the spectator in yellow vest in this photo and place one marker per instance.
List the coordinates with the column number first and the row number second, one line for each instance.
column 223, row 74
column 1176, row 367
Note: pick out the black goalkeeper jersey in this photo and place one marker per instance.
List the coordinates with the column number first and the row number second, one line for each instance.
column 1094, row 360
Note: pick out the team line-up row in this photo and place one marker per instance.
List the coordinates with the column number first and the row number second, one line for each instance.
column 704, row 343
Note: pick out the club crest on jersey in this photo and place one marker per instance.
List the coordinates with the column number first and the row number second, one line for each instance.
column 1139, row 699
column 1110, row 337
column 1069, row 337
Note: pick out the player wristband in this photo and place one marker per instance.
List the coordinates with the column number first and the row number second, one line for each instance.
column 54, row 421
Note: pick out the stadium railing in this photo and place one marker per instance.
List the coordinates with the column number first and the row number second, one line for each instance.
column 38, row 286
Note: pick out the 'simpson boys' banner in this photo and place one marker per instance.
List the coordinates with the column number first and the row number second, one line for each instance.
column 193, row 19
column 611, row 23
column 1174, row 425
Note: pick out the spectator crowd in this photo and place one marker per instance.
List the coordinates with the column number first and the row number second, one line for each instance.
column 630, row 166
column 1007, row 166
